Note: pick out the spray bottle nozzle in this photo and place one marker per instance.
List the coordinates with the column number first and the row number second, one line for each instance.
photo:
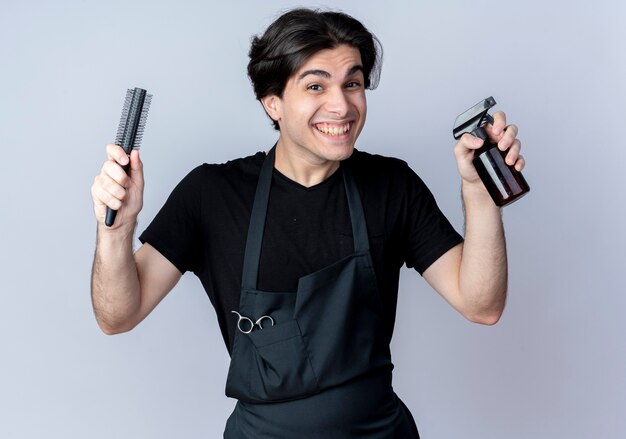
column 472, row 120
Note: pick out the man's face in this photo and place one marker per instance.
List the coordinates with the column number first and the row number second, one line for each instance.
column 323, row 108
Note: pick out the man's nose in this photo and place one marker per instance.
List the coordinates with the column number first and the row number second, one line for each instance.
column 337, row 102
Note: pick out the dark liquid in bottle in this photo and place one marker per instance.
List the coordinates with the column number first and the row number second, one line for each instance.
column 503, row 182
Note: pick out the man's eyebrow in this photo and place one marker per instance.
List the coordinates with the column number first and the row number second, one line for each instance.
column 315, row 72
column 354, row 69
column 324, row 74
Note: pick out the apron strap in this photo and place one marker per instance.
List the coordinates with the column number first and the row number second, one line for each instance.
column 254, row 240
column 357, row 215
column 252, row 256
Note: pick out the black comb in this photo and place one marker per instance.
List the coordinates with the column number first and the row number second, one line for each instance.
column 130, row 130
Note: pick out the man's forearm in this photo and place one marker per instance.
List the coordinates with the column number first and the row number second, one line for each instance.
column 483, row 271
column 115, row 289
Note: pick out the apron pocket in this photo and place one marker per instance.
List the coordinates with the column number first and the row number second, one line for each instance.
column 282, row 369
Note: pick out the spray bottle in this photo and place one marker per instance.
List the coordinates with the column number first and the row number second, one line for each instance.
column 504, row 183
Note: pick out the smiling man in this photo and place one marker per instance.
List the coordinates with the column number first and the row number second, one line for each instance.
column 320, row 114
column 299, row 249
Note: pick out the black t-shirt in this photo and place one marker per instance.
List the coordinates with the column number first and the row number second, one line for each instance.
column 204, row 223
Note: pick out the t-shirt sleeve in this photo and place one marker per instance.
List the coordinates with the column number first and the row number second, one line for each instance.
column 174, row 232
column 429, row 233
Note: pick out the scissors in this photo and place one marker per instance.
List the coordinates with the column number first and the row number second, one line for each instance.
column 249, row 324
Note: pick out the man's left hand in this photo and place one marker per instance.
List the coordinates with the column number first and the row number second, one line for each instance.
column 505, row 136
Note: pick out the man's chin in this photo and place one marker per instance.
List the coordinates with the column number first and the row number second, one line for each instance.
column 339, row 153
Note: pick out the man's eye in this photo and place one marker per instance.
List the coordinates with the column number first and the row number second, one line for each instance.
column 314, row 87
column 353, row 84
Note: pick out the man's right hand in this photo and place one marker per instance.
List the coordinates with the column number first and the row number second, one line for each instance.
column 113, row 188
column 125, row 286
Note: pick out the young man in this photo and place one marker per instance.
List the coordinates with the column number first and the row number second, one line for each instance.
column 300, row 249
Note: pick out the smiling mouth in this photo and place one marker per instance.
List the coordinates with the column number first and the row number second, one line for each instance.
column 333, row 130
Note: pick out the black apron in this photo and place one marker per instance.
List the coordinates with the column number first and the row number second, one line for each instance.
column 323, row 369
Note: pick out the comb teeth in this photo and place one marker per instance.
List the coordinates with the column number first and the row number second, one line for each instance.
column 133, row 119
column 122, row 125
column 142, row 120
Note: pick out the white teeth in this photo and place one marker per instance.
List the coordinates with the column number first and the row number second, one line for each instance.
column 333, row 130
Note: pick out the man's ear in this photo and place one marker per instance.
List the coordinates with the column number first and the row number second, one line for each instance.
column 272, row 105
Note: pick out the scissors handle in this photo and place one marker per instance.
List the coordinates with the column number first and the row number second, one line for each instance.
column 248, row 324
column 260, row 320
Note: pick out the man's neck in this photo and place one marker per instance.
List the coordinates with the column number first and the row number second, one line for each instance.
column 302, row 167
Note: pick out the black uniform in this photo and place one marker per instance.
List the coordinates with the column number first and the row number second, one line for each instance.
column 310, row 269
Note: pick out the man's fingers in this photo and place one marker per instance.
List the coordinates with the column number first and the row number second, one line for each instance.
column 498, row 131
column 115, row 172
column 468, row 141
column 498, row 126
column 513, row 152
column 499, row 122
column 136, row 167
column 107, row 192
column 114, row 188
column 117, row 154
column 117, row 159
column 507, row 137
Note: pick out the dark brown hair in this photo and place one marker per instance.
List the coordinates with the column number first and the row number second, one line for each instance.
column 297, row 35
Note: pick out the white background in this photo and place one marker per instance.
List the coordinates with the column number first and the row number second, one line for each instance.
column 554, row 366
